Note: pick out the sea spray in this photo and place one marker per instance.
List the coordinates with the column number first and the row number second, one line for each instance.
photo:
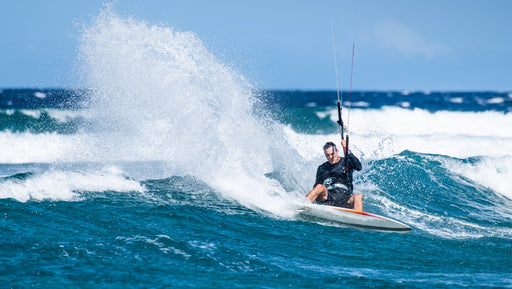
column 158, row 94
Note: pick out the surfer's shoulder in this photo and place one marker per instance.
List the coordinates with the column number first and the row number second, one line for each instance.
column 326, row 167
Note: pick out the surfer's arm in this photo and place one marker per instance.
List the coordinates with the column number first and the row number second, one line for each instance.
column 353, row 162
column 318, row 179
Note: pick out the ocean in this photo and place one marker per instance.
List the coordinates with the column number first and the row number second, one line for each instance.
column 168, row 169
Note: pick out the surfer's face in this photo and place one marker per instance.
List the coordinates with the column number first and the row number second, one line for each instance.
column 332, row 155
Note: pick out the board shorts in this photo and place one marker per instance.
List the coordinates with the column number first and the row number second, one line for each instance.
column 337, row 198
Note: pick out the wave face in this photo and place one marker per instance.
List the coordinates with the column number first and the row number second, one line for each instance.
column 169, row 169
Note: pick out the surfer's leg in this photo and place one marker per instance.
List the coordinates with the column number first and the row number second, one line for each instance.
column 356, row 202
column 318, row 193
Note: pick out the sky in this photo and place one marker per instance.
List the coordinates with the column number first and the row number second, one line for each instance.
column 430, row 45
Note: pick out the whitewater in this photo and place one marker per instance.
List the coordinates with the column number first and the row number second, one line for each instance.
column 168, row 169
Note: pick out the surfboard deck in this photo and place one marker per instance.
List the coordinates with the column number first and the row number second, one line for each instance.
column 354, row 218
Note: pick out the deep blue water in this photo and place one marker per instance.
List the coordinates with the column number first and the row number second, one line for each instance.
column 149, row 213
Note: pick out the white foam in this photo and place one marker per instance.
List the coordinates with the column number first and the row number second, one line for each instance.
column 456, row 100
column 39, row 94
column 360, row 104
column 380, row 133
column 27, row 147
column 66, row 185
column 404, row 104
column 31, row 112
column 418, row 122
column 61, row 115
column 64, row 115
column 34, row 148
column 496, row 100
column 491, row 172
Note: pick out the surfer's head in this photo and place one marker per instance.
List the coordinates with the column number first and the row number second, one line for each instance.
column 331, row 153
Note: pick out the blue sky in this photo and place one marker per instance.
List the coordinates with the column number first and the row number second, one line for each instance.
column 400, row 44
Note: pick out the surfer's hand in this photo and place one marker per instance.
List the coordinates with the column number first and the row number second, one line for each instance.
column 344, row 144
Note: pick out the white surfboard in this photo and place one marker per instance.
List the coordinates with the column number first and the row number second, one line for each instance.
column 354, row 218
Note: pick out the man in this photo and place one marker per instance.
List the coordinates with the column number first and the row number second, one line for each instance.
column 333, row 184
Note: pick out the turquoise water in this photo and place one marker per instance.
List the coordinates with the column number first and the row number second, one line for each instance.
column 168, row 170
